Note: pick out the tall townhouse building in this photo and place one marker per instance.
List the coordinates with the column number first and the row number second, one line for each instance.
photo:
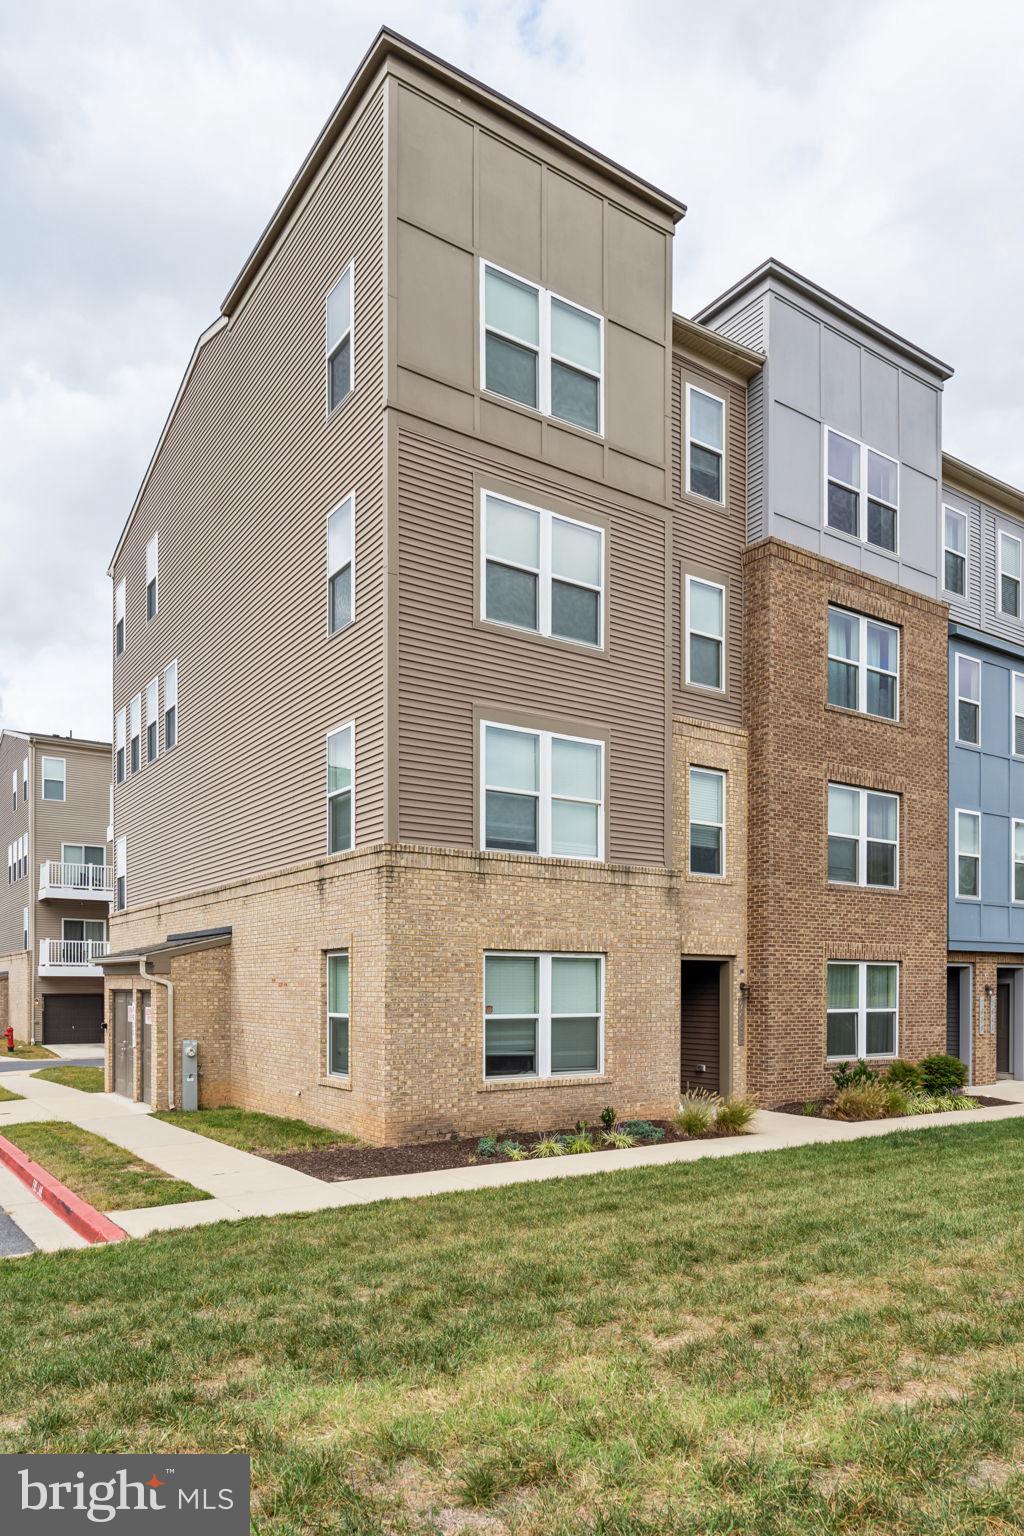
column 54, row 908
column 429, row 752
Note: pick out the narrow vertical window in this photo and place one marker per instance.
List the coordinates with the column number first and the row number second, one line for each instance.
column 136, row 733
column 340, row 339
column 152, row 576
column 883, row 494
column 843, row 496
column 511, row 362
column 341, row 566
column 1017, row 714
column 119, row 618
column 707, row 822
column 1009, row 574
column 968, row 855
column 576, row 341
column 337, row 1015
column 152, row 720
column 24, row 927
column 1017, row 862
column 14, row 789
column 121, row 873
column 968, row 701
column 954, row 551
column 120, row 737
column 54, row 778
column 341, row 789
column 705, row 634
column 24, row 779
column 170, row 705
column 705, row 444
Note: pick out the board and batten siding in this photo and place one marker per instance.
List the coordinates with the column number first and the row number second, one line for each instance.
column 240, row 492
column 980, row 605
column 452, row 669
column 708, row 540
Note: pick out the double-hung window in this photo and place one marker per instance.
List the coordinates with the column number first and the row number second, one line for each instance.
column 1017, row 861
column 707, row 822
column 14, row 789
column 341, row 589
column 968, row 700
column 341, row 751
column 152, row 720
column 170, row 705
column 543, row 1015
column 862, row 1010
column 54, row 778
column 705, row 634
column 540, row 350
column 967, row 851
column 542, row 572
column 1017, row 714
column 861, row 491
column 119, row 618
column 863, row 837
column 863, row 664
column 136, row 733
column 1009, row 574
column 705, row 444
column 341, row 339
column 954, row 551
column 152, row 576
column 337, row 1014
column 120, row 736
column 542, row 793
column 24, row 779
column 121, row 873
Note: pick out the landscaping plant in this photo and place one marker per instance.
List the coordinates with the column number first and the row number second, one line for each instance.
column 642, row 1130
column 850, row 1073
column 618, row 1139
column 579, row 1141
column 551, row 1146
column 734, row 1115
column 697, row 1111
column 608, row 1117
column 905, row 1074
column 862, row 1101
column 942, row 1074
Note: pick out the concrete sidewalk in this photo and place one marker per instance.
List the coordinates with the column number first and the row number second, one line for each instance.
column 244, row 1185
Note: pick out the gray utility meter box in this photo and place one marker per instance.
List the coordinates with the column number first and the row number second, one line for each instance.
column 190, row 1074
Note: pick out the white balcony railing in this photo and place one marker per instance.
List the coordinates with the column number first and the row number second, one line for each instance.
column 76, row 882
column 71, row 957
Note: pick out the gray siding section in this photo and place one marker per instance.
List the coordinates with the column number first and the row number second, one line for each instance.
column 980, row 605
column 757, row 457
column 748, row 325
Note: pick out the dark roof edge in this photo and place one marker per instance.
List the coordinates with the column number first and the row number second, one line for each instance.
column 174, row 944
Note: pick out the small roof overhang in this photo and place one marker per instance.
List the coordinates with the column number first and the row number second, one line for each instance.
column 166, row 949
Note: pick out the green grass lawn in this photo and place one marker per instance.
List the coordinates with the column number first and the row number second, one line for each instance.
column 25, row 1052
column 85, row 1079
column 109, row 1177
column 6, row 1095
column 253, row 1132
column 824, row 1340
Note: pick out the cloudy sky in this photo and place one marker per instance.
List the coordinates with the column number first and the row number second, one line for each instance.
column 877, row 147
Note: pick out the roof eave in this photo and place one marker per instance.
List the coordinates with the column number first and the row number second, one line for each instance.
column 980, row 483
column 693, row 337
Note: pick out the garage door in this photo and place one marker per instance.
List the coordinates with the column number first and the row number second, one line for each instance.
column 72, row 1017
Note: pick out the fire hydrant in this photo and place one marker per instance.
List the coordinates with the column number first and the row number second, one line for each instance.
column 9, row 1037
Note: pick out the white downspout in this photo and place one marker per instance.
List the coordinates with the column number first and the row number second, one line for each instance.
column 164, row 981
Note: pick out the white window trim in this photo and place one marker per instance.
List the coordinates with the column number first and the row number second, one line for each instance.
column 717, row 773
column 861, row 663
column 154, row 718
column 862, row 1012
column 153, row 575
column 45, row 758
column 349, row 725
column 543, row 792
column 1015, row 714
column 543, row 572
column 121, row 872
column 14, row 789
column 119, row 617
column 1006, row 537
column 861, row 536
column 65, row 920
column 121, row 744
column 957, row 813
column 545, row 355
column 65, row 846
column 351, row 332
column 24, row 778
column 948, row 511
column 862, row 882
column 545, row 958
column 691, row 629
column 349, row 500
column 957, row 696
column 177, row 712
column 333, row 954
column 134, row 735
column 1015, row 822
column 691, row 390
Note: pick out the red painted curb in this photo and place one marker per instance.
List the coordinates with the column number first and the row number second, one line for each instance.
column 84, row 1218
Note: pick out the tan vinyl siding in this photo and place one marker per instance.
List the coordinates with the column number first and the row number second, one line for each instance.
column 83, row 815
column 708, row 540
column 240, row 492
column 13, row 824
column 449, row 665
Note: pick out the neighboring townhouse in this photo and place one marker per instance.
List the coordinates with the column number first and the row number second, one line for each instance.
column 54, row 908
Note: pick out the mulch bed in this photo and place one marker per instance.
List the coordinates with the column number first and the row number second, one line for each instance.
column 342, row 1162
column 796, row 1107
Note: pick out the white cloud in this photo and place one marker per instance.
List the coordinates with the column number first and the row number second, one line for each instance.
column 875, row 147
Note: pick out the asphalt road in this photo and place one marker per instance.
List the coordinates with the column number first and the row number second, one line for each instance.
column 12, row 1064
column 12, row 1238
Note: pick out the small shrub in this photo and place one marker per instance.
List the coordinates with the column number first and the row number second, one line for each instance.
column 897, row 1099
column 608, row 1117
column 942, row 1074
column 487, row 1146
column 516, row 1153
column 642, row 1130
column 904, row 1074
column 849, row 1074
column 696, row 1111
column 734, row 1115
column 551, row 1146
column 862, row 1101
column 811, row 1107
column 618, row 1139
column 513, row 1149
column 579, row 1141
column 962, row 1101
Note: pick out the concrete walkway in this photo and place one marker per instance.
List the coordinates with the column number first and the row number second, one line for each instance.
column 244, row 1185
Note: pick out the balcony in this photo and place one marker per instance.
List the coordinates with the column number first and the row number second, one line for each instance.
column 75, row 882
column 71, row 957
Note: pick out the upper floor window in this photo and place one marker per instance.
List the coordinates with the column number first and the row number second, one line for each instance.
column 152, row 720
column 54, row 778
column 341, row 789
column 542, row 572
column 135, row 733
column 337, row 1014
column 863, row 664
column 14, row 789
column 705, row 443
column 705, row 634
column 542, row 793
column 862, row 491
column 170, row 705
column 954, row 551
column 707, row 822
column 24, row 778
column 543, row 1014
column 24, row 927
column 341, row 566
column 967, row 850
column 152, row 576
column 121, row 873
column 1017, row 714
column 541, row 350
column 1009, row 574
column 120, row 735
column 1017, row 862
column 119, row 618
column 863, row 837
column 340, row 338
column 862, row 1009
column 968, row 700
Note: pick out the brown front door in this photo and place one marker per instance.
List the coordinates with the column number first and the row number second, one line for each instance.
column 124, row 1051
column 700, row 1037
column 144, row 1034
column 1003, row 995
